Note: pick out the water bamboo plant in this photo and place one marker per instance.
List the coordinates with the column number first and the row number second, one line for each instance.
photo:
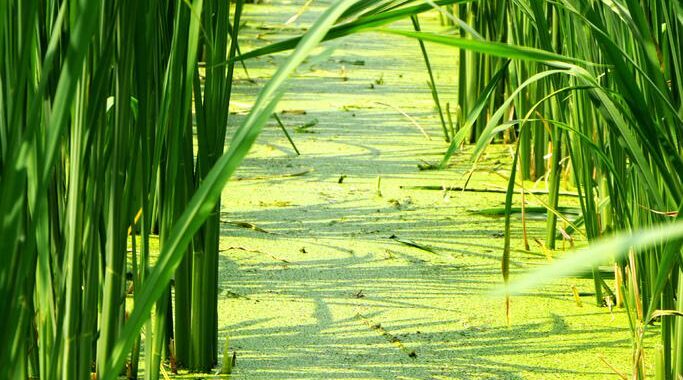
column 102, row 103
column 593, row 98
column 97, row 154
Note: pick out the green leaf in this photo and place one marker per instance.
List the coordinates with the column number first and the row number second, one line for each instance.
column 598, row 253
column 363, row 23
column 496, row 49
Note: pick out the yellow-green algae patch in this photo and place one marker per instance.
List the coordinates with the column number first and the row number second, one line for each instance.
column 314, row 282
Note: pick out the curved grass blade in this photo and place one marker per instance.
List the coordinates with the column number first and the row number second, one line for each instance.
column 598, row 253
column 361, row 24
column 474, row 114
column 493, row 48
column 432, row 83
column 492, row 128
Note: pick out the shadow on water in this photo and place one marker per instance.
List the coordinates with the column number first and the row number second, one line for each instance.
column 456, row 346
column 321, row 290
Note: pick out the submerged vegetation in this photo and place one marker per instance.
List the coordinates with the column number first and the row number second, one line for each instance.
column 114, row 114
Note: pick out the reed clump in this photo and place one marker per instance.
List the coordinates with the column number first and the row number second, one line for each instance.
column 112, row 131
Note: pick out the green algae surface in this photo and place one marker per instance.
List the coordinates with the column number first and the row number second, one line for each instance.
column 318, row 276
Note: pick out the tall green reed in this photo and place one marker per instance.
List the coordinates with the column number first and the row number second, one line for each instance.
column 594, row 96
column 97, row 154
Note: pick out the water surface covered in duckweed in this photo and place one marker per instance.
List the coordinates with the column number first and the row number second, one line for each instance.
column 318, row 276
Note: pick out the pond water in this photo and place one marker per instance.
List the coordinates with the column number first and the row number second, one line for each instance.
column 331, row 268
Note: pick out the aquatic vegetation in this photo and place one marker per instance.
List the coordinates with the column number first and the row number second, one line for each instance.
column 113, row 122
